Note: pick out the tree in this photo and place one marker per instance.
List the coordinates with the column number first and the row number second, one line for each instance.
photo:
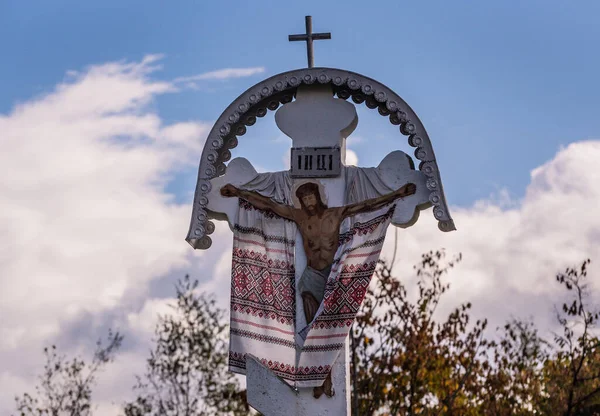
column 510, row 379
column 66, row 386
column 529, row 375
column 187, row 370
column 572, row 377
column 407, row 363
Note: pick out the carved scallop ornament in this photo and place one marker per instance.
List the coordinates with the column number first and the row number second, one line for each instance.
column 279, row 90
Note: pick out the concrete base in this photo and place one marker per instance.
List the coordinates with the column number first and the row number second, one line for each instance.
column 272, row 396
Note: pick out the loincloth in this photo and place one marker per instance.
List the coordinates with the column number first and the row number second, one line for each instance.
column 314, row 281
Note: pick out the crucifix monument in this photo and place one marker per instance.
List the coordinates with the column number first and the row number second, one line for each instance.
column 307, row 239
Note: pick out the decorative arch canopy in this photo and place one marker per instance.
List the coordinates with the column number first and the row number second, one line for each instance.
column 281, row 89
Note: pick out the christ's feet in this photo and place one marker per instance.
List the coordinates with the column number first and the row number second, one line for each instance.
column 326, row 388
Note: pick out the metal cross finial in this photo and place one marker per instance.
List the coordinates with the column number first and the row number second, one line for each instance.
column 309, row 37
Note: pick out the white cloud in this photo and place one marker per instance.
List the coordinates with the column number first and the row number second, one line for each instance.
column 84, row 216
column 513, row 249
column 354, row 140
column 285, row 159
column 144, row 321
column 351, row 158
column 222, row 74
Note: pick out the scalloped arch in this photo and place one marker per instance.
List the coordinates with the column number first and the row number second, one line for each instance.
column 280, row 89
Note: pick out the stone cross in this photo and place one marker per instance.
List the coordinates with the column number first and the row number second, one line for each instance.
column 315, row 118
column 309, row 37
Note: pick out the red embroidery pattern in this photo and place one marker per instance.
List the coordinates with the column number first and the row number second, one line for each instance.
column 344, row 297
column 263, row 338
column 364, row 228
column 267, row 213
column 285, row 371
column 263, row 287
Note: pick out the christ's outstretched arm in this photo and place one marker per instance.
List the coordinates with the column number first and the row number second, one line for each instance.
column 259, row 201
column 379, row 202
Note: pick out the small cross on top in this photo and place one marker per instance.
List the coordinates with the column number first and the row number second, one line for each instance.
column 309, row 37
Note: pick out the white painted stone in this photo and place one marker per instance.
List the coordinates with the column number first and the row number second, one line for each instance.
column 316, row 118
column 239, row 172
column 395, row 171
column 274, row 397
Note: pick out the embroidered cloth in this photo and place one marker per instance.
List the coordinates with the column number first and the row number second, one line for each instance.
column 263, row 299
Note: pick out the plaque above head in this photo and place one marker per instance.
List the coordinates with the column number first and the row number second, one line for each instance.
column 316, row 162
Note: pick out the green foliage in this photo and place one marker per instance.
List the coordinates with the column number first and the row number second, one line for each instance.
column 65, row 387
column 408, row 363
column 572, row 377
column 187, row 370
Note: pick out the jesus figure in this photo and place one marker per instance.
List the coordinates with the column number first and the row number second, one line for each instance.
column 319, row 226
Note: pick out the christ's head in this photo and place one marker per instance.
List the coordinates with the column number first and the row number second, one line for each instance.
column 310, row 199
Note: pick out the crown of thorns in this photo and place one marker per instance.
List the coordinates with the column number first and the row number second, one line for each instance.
column 308, row 188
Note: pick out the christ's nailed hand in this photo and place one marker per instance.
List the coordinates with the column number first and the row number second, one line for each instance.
column 408, row 189
column 229, row 190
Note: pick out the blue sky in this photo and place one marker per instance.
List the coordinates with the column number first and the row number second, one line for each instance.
column 500, row 86
column 99, row 145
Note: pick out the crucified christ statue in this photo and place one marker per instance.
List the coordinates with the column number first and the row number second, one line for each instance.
column 319, row 226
